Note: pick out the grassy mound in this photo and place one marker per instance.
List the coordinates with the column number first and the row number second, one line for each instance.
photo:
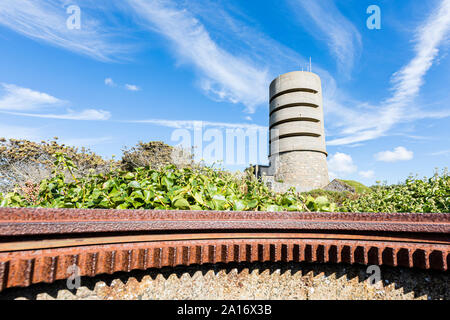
column 359, row 187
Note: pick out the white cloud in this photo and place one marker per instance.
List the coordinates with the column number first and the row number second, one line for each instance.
column 132, row 87
column 363, row 123
column 239, row 33
column 87, row 114
column 341, row 164
column 21, row 99
column 399, row 154
column 110, row 82
column 440, row 153
column 17, row 100
column 223, row 75
column 342, row 37
column 190, row 124
column 45, row 20
column 367, row 174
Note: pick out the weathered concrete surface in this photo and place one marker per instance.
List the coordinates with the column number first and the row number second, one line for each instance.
column 284, row 107
column 303, row 170
column 297, row 134
column 250, row 281
column 295, row 79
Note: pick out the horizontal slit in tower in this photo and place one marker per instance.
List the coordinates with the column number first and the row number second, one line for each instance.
column 294, row 120
column 296, row 134
column 293, row 90
column 295, row 104
column 299, row 149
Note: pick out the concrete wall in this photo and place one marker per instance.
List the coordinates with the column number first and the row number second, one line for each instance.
column 304, row 170
column 297, row 136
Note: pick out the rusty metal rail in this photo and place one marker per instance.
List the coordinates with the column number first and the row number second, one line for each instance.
column 39, row 245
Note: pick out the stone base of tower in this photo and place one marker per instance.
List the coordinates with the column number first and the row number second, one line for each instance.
column 304, row 170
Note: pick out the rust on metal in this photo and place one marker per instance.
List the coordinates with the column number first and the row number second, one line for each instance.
column 73, row 242
column 40, row 221
column 39, row 245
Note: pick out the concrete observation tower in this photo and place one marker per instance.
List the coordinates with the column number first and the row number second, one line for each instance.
column 297, row 136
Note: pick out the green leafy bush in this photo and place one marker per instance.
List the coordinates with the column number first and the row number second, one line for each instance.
column 334, row 196
column 205, row 188
column 24, row 163
column 415, row 195
column 200, row 188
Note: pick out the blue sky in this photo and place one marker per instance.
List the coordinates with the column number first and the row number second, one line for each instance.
column 144, row 70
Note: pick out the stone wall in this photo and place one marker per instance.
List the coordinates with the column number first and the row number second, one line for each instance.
column 301, row 281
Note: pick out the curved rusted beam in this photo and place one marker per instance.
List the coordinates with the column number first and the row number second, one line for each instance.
column 39, row 221
column 38, row 245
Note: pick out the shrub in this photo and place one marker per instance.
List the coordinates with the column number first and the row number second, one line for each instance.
column 16, row 150
column 415, row 195
column 335, row 196
column 58, row 182
column 24, row 162
column 199, row 188
column 154, row 154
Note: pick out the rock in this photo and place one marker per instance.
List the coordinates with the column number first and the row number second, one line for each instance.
column 338, row 185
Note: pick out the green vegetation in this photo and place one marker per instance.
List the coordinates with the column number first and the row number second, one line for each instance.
column 24, row 163
column 334, row 196
column 415, row 195
column 198, row 188
column 149, row 176
column 358, row 186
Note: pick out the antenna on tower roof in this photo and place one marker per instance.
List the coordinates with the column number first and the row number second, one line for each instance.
column 310, row 65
